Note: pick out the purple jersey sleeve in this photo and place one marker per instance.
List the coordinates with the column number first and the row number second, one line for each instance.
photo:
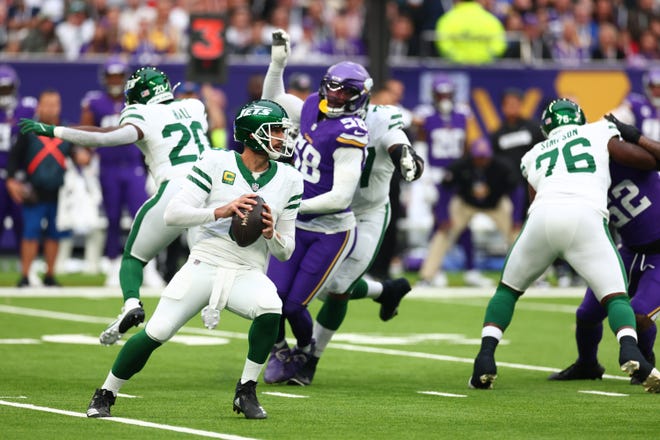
column 647, row 117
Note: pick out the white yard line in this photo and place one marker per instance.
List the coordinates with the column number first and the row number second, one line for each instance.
column 438, row 393
column 278, row 394
column 197, row 432
column 603, row 393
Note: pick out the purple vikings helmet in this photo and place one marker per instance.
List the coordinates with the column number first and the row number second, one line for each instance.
column 8, row 87
column 345, row 90
column 651, row 82
column 443, row 93
column 113, row 76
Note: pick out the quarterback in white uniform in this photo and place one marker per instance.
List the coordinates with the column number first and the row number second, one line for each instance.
column 569, row 178
column 172, row 135
column 388, row 150
column 219, row 273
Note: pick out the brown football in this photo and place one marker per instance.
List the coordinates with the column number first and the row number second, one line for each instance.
column 246, row 231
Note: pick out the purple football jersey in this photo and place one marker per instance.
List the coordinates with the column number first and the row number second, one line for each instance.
column 647, row 117
column 316, row 143
column 634, row 204
column 106, row 114
column 8, row 124
column 445, row 137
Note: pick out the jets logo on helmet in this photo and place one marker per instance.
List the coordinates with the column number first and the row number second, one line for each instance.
column 561, row 112
column 148, row 85
column 255, row 126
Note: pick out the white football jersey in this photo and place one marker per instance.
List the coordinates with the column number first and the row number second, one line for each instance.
column 571, row 166
column 221, row 177
column 385, row 125
column 174, row 135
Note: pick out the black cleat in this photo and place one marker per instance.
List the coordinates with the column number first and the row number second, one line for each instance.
column 636, row 366
column 578, row 371
column 245, row 401
column 50, row 281
column 651, row 359
column 305, row 375
column 23, row 282
column 484, row 372
column 393, row 293
column 125, row 320
column 101, row 403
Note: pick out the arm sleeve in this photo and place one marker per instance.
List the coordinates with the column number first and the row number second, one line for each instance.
column 348, row 167
column 282, row 244
column 126, row 134
column 187, row 208
column 273, row 82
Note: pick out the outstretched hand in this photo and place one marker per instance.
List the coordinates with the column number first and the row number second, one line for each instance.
column 38, row 128
column 629, row 133
column 281, row 49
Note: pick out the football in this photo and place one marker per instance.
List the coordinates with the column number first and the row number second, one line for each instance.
column 246, row 231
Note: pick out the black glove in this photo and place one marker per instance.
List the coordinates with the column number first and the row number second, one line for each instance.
column 629, row 133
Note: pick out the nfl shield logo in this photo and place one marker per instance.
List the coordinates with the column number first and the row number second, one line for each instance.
column 255, row 186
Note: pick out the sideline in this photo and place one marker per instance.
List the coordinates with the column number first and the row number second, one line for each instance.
column 125, row 421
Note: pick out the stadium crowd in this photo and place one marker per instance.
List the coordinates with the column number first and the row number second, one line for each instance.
column 567, row 31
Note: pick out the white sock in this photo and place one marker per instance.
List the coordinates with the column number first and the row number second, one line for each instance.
column 491, row 330
column 131, row 303
column 113, row 383
column 280, row 344
column 251, row 371
column 323, row 336
column 374, row 289
column 626, row 331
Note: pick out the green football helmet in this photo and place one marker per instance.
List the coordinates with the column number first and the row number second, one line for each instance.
column 148, row 85
column 560, row 112
column 253, row 126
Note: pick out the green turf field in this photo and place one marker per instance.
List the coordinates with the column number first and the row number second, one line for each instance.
column 404, row 379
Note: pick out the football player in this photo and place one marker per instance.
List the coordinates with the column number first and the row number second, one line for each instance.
column 569, row 176
column 444, row 132
column 171, row 134
column 643, row 110
column 329, row 154
column 12, row 107
column 388, row 150
column 121, row 169
column 634, row 206
column 219, row 274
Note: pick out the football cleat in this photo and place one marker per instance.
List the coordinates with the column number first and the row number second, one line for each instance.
column 246, row 402
column 101, row 402
column 393, row 293
column 277, row 368
column 50, row 281
column 306, row 373
column 484, row 372
column 650, row 380
column 579, row 371
column 125, row 320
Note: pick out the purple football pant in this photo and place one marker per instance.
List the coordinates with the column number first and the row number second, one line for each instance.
column 10, row 209
column 644, row 288
column 122, row 187
column 315, row 259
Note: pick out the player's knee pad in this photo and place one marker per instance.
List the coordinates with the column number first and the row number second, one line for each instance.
column 159, row 331
column 292, row 309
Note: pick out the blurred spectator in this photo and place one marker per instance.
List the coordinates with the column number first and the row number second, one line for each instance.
column 401, row 32
column 239, row 31
column 531, row 45
column 510, row 142
column 568, row 48
column 104, row 41
column 279, row 19
column 77, row 30
column 640, row 17
column 608, row 48
column 424, row 15
column 342, row 43
column 480, row 183
column 132, row 13
column 469, row 34
column 300, row 85
column 648, row 49
column 586, row 28
column 42, row 163
column 42, row 38
column 19, row 17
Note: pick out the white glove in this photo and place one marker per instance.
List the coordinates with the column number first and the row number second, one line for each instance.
column 408, row 164
column 281, row 48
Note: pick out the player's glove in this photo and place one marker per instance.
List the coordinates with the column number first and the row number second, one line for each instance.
column 629, row 133
column 408, row 164
column 38, row 128
column 281, row 49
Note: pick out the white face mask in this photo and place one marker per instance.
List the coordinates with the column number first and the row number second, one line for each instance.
column 445, row 106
